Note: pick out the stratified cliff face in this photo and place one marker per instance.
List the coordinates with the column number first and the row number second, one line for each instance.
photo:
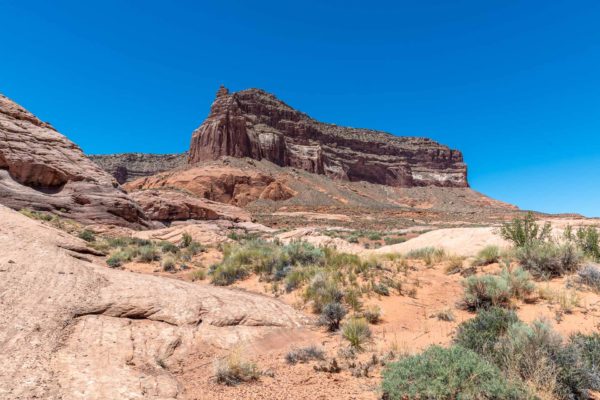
column 130, row 166
column 253, row 123
column 42, row 170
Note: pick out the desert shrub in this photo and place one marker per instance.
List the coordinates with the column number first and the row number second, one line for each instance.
column 39, row 215
column 321, row 290
column 381, row 289
column 304, row 354
column 487, row 255
column 168, row 263
column 445, row 315
column 294, row 279
column 198, row 274
column 588, row 348
column 357, row 332
column 525, row 231
column 149, row 253
column 533, row 353
column 390, row 240
column 352, row 299
column 232, row 370
column 372, row 314
column 447, row 374
column 519, row 282
column 480, row 333
column 374, row 236
column 118, row 258
column 227, row 273
column 186, row 240
column 589, row 275
column 486, row 291
column 588, row 241
column 547, row 260
column 168, row 247
column 430, row 255
column 332, row 315
column 87, row 235
column 455, row 265
column 303, row 253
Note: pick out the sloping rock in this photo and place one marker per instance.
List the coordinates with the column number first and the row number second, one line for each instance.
column 253, row 123
column 41, row 169
column 171, row 205
column 219, row 183
column 130, row 166
column 71, row 329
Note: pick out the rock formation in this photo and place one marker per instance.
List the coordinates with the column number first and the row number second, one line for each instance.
column 130, row 166
column 253, row 123
column 220, row 183
column 173, row 205
column 71, row 328
column 41, row 169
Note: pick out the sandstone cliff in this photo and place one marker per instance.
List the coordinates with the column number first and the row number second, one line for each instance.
column 41, row 169
column 253, row 123
column 129, row 166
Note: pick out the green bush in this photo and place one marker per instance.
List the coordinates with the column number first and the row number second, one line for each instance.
column 118, row 258
column 589, row 275
column 168, row 247
column 357, row 332
column 149, row 253
column 186, row 240
column 448, row 374
column 548, row 260
column 87, row 235
column 524, row 231
column 487, row 255
column 372, row 314
column 519, row 282
column 588, row 241
column 430, row 255
column 321, row 290
column 227, row 273
column 390, row 240
column 480, row 333
column 168, row 264
column 534, row 353
column 486, row 291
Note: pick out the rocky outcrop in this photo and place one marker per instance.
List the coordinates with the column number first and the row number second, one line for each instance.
column 130, row 166
column 41, row 169
column 253, row 123
column 173, row 205
column 71, row 328
column 220, row 183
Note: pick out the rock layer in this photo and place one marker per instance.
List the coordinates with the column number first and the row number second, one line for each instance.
column 41, row 169
column 253, row 123
column 172, row 205
column 130, row 166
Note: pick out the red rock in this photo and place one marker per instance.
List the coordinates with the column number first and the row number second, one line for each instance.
column 253, row 123
column 42, row 170
column 171, row 205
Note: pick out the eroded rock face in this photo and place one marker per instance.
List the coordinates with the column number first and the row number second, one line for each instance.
column 223, row 184
column 41, row 169
column 171, row 205
column 253, row 123
column 130, row 166
column 76, row 329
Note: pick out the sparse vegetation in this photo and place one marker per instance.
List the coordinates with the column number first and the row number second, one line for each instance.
column 547, row 259
column 233, row 370
column 332, row 315
column 372, row 314
column 447, row 374
column 87, row 235
column 485, row 291
column 487, row 255
column 304, row 354
column 357, row 332
column 430, row 255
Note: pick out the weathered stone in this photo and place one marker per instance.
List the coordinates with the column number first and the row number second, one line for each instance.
column 172, row 205
column 253, row 123
column 130, row 166
column 42, row 170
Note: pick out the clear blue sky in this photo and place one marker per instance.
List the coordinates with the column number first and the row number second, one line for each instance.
column 515, row 85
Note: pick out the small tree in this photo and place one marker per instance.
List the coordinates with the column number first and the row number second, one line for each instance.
column 525, row 231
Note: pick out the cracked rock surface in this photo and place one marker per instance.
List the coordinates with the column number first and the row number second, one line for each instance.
column 74, row 329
